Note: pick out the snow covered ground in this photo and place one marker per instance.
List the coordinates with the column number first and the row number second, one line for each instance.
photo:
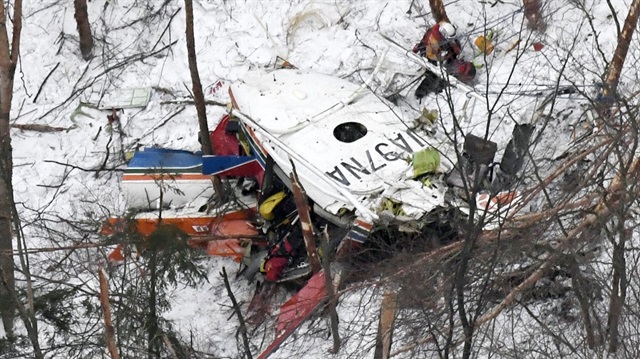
column 142, row 44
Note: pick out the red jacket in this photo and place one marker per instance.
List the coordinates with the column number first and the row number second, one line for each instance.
column 435, row 47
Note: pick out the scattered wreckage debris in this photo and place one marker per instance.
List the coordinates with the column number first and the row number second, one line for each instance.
column 125, row 98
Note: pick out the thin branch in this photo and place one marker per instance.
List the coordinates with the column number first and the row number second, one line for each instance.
column 614, row 16
column 166, row 28
column 45, row 81
column 236, row 308
column 82, row 168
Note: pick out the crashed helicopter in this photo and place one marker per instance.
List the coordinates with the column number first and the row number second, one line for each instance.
column 362, row 161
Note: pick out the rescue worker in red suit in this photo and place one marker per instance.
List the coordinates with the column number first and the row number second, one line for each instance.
column 439, row 44
column 283, row 254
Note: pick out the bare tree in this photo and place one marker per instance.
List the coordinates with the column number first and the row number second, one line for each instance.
column 622, row 227
column 84, row 28
column 198, row 97
column 9, row 301
column 612, row 76
column 9, row 54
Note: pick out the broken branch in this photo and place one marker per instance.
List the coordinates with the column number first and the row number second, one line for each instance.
column 300, row 198
column 44, row 82
column 39, row 128
column 108, row 325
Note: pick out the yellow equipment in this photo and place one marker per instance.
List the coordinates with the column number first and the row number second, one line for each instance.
column 484, row 43
column 268, row 206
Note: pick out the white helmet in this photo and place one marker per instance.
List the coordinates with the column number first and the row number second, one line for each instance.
column 447, row 30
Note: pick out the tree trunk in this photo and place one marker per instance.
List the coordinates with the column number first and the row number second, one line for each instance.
column 619, row 56
column 153, row 329
column 8, row 60
column 169, row 346
column 618, row 289
column 384, row 337
column 332, row 297
column 7, row 305
column 84, row 28
column 438, row 11
column 532, row 12
column 198, row 95
column 579, row 287
column 198, row 98
column 9, row 55
column 460, row 278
